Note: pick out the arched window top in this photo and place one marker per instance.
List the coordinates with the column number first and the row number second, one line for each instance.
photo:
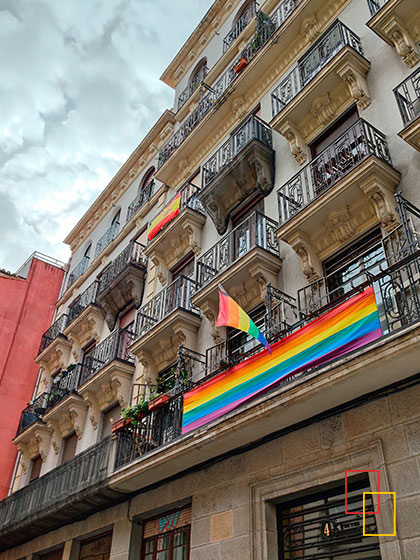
column 116, row 218
column 247, row 4
column 146, row 178
column 86, row 254
column 199, row 72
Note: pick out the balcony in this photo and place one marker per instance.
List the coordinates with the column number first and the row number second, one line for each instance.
column 325, row 82
column 243, row 165
column 239, row 26
column 122, row 281
column 408, row 99
column 164, row 323
column 192, row 86
column 141, row 199
column 107, row 372
column 343, row 192
column 54, row 350
column 244, row 261
column 107, row 238
column 396, row 23
column 77, row 271
column 180, row 234
column 267, row 27
column 33, row 413
column 66, row 494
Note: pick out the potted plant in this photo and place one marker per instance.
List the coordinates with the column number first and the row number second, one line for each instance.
column 158, row 401
column 71, row 367
column 133, row 414
column 239, row 66
column 119, row 425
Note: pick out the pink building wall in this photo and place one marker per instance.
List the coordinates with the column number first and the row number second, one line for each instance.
column 26, row 312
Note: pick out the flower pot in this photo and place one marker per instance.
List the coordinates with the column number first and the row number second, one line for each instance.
column 120, row 425
column 158, row 402
column 240, row 66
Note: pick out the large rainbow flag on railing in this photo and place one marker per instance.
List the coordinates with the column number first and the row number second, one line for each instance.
column 345, row 328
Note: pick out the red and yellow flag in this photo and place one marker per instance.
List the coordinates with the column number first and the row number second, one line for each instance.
column 168, row 213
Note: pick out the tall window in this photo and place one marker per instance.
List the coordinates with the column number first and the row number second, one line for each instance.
column 116, row 220
column 168, row 537
column 69, row 448
column 36, row 465
column 108, row 418
column 198, row 74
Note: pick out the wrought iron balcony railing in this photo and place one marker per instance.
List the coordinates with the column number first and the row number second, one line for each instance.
column 266, row 27
column 256, row 231
column 192, row 86
column 32, row 413
column 408, row 97
column 143, row 196
column 51, row 334
column 109, row 236
column 324, row 50
column 77, row 271
column 114, row 347
column 253, row 128
column 131, row 255
column 82, row 301
column 175, row 296
column 62, row 385
column 58, row 487
column 359, row 142
column 376, row 5
column 239, row 26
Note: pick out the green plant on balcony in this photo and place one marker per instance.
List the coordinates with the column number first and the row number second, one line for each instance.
column 133, row 414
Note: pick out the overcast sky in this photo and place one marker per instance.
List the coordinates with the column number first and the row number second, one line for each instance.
column 79, row 89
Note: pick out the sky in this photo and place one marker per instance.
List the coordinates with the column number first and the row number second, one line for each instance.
column 79, row 89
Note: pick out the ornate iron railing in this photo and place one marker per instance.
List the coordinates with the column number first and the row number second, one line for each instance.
column 408, row 97
column 77, row 271
column 109, row 236
column 256, row 231
column 51, row 334
column 142, row 197
column 324, row 50
column 376, row 5
column 114, row 347
column 192, row 86
column 266, row 27
column 359, row 142
column 239, row 26
column 33, row 412
column 156, row 429
column 132, row 255
column 57, row 487
column 282, row 312
column 253, row 128
column 82, row 301
column 64, row 384
column 175, row 296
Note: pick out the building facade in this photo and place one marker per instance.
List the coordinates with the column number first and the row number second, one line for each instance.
column 27, row 305
column 287, row 171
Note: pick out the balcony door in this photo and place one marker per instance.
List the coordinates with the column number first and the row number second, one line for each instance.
column 179, row 292
column 246, row 229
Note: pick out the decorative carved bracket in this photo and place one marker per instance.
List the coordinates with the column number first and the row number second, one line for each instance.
column 354, row 78
column 402, row 41
column 298, row 147
column 383, row 202
column 322, row 109
column 311, row 266
column 310, row 28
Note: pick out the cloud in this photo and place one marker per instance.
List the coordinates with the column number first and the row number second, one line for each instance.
column 79, row 89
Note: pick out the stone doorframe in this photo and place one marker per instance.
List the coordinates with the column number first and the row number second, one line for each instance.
column 265, row 495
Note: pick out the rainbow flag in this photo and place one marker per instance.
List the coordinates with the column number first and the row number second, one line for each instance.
column 168, row 213
column 232, row 315
column 345, row 328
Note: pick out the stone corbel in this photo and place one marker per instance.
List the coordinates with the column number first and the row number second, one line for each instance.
column 239, row 107
column 322, row 110
column 158, row 267
column 297, row 145
column 383, row 202
column 402, row 41
column 210, row 314
column 56, row 435
column 93, row 411
column 356, row 83
column 310, row 28
column 149, row 367
column 262, row 279
column 121, row 385
column 339, row 224
column 24, row 456
column 309, row 260
column 184, row 169
column 77, row 412
column 43, row 439
column 193, row 238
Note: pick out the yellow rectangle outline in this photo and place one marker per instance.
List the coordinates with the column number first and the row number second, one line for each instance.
column 395, row 516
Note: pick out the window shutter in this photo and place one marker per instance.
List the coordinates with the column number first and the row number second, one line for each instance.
column 167, row 522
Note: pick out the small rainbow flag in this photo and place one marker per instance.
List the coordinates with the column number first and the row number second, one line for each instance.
column 344, row 329
column 232, row 315
column 168, row 213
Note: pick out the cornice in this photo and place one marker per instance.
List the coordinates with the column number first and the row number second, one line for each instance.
column 131, row 169
column 198, row 40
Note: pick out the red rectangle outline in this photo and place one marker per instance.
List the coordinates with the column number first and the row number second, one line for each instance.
column 345, row 492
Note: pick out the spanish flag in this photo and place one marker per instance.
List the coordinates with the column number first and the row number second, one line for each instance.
column 232, row 315
column 168, row 213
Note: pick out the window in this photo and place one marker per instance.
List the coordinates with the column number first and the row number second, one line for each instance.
column 334, row 131
column 96, row 548
column 86, row 254
column 168, row 537
column 108, row 418
column 116, row 220
column 198, row 74
column 127, row 319
column 239, row 342
column 348, row 268
column 69, row 448
column 184, row 268
column 316, row 525
column 241, row 12
column 52, row 555
column 36, row 465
